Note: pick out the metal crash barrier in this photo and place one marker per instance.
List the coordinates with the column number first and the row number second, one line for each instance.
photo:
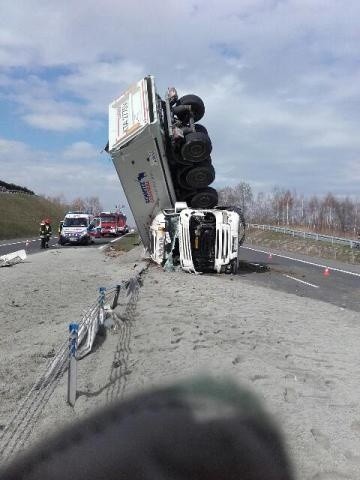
column 80, row 342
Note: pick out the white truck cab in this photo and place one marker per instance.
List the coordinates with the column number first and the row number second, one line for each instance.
column 199, row 240
column 75, row 229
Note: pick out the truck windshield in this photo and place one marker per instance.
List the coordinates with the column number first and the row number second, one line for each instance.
column 76, row 222
column 108, row 218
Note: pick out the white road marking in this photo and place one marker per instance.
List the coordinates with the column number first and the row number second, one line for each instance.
column 301, row 281
column 17, row 243
column 102, row 247
column 332, row 269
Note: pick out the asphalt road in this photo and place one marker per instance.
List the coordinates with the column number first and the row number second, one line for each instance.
column 321, row 279
column 292, row 273
column 32, row 245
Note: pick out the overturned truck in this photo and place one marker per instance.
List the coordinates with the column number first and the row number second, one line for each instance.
column 163, row 159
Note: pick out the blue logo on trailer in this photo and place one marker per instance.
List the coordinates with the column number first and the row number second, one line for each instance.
column 145, row 187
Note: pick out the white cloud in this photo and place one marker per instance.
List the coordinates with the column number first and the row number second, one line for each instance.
column 80, row 150
column 54, row 121
column 280, row 79
column 77, row 172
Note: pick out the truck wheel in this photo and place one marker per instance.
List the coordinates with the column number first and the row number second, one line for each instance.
column 200, row 177
column 197, row 107
column 197, row 147
column 205, row 198
column 200, row 128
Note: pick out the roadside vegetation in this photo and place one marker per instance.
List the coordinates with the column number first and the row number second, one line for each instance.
column 313, row 248
column 330, row 215
column 21, row 214
column 126, row 243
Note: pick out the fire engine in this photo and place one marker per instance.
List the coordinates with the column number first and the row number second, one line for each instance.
column 111, row 224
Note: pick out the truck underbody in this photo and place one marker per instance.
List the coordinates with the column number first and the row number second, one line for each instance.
column 162, row 157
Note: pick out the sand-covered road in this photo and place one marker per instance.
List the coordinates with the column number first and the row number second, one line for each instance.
column 299, row 355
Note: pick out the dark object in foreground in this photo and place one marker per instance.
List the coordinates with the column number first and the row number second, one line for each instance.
column 203, row 430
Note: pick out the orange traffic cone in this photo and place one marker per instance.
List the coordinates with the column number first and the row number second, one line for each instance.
column 326, row 272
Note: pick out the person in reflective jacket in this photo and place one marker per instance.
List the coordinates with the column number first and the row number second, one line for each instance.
column 45, row 233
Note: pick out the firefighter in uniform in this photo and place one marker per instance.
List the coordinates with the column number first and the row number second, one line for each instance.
column 45, row 233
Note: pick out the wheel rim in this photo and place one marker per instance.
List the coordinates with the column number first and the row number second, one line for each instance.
column 199, row 177
column 196, row 151
column 203, row 200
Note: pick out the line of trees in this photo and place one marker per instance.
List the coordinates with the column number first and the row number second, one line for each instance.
column 5, row 187
column 326, row 214
column 89, row 205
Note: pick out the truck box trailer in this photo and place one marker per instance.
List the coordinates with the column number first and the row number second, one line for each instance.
column 162, row 157
column 160, row 153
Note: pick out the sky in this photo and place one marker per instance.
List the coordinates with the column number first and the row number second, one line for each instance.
column 280, row 80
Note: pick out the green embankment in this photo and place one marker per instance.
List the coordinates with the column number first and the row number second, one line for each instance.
column 313, row 248
column 20, row 215
column 127, row 243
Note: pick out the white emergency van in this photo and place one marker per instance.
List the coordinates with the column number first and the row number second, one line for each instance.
column 76, row 229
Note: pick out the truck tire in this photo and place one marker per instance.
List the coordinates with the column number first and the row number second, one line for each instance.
column 201, row 176
column 197, row 107
column 200, row 128
column 185, row 173
column 197, row 147
column 204, row 198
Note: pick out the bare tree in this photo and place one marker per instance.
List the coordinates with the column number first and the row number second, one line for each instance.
column 345, row 213
column 244, row 195
column 78, row 205
column 240, row 196
column 93, row 205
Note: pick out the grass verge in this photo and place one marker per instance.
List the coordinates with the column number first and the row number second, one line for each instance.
column 313, row 248
column 126, row 243
column 20, row 215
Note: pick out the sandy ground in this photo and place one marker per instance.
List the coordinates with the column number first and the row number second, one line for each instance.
column 299, row 355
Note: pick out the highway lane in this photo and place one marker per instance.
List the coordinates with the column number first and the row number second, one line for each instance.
column 293, row 273
column 32, row 245
column 321, row 279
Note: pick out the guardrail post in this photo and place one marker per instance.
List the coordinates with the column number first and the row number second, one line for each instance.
column 101, row 316
column 116, row 297
column 72, row 373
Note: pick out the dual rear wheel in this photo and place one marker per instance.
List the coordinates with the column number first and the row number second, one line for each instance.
column 194, row 171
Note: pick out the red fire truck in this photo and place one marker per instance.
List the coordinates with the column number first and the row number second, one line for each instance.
column 111, row 224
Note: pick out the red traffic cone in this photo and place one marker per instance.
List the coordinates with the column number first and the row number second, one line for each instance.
column 326, row 272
